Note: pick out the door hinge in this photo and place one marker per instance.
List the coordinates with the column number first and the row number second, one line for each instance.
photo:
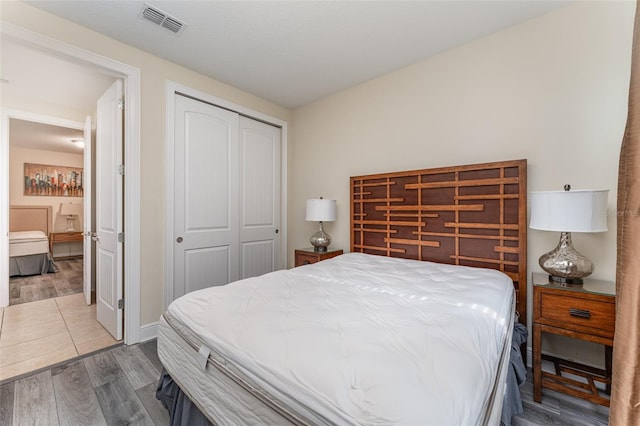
column 120, row 303
column 121, row 104
column 121, row 169
column 121, row 237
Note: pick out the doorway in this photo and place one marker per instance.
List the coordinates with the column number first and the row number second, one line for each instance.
column 50, row 317
column 131, row 87
column 47, row 192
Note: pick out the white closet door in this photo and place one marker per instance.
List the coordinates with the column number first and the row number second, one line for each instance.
column 206, row 190
column 260, row 197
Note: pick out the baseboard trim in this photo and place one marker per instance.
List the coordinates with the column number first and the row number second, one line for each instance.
column 148, row 332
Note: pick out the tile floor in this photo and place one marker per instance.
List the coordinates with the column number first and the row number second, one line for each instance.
column 43, row 333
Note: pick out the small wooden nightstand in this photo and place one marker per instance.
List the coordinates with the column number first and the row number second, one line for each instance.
column 585, row 312
column 307, row 256
column 63, row 237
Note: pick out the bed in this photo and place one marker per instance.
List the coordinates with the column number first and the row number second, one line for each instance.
column 29, row 228
column 414, row 326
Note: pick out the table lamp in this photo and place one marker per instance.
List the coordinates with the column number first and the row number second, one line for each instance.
column 320, row 210
column 566, row 212
column 71, row 211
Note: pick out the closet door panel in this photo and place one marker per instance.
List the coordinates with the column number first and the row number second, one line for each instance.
column 206, row 247
column 207, row 267
column 260, row 197
column 257, row 258
column 207, row 173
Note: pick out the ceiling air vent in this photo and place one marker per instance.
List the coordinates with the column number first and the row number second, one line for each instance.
column 172, row 24
column 159, row 17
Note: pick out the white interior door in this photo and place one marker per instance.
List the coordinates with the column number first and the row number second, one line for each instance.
column 206, row 192
column 86, row 184
column 109, row 224
column 260, row 197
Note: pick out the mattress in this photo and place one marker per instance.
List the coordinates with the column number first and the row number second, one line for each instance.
column 358, row 339
column 25, row 243
column 218, row 390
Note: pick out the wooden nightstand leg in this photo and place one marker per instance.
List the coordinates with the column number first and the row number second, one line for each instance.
column 537, row 365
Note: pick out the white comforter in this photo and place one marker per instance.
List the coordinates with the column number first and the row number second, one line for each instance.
column 363, row 339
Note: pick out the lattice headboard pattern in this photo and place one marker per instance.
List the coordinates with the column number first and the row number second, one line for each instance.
column 474, row 215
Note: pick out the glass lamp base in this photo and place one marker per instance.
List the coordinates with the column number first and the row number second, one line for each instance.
column 320, row 240
column 70, row 226
column 564, row 264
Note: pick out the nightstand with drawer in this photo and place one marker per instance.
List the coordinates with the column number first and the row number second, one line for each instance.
column 308, row 255
column 585, row 312
column 64, row 237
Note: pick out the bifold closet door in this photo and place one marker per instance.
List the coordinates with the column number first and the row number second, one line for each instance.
column 206, row 185
column 260, row 197
column 227, row 196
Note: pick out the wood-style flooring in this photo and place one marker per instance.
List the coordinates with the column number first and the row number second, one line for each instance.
column 68, row 280
column 117, row 387
column 558, row 409
column 112, row 387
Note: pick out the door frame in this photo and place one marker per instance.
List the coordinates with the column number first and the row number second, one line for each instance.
column 131, row 77
column 171, row 89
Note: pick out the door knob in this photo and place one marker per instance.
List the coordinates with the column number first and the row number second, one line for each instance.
column 179, row 239
column 94, row 237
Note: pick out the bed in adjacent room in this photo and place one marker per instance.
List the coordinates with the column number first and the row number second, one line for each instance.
column 29, row 228
column 382, row 335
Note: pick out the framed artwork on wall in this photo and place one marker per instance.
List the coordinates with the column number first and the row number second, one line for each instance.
column 54, row 181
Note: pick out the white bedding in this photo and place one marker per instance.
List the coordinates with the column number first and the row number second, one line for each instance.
column 363, row 339
column 25, row 243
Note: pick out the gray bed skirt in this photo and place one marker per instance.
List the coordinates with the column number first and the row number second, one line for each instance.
column 34, row 264
column 516, row 376
column 182, row 411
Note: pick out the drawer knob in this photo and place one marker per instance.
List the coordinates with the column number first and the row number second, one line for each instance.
column 581, row 313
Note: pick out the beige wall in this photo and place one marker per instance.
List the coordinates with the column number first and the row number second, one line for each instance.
column 18, row 157
column 552, row 90
column 154, row 74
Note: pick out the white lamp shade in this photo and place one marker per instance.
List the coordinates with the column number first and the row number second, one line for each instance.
column 69, row 209
column 569, row 211
column 321, row 210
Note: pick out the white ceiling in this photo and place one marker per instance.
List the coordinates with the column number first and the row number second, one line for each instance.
column 27, row 134
column 295, row 52
column 36, row 77
column 32, row 75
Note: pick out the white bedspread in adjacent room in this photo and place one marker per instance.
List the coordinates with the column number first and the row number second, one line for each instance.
column 25, row 243
column 363, row 339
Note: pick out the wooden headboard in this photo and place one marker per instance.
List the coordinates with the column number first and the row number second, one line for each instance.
column 31, row 218
column 473, row 215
